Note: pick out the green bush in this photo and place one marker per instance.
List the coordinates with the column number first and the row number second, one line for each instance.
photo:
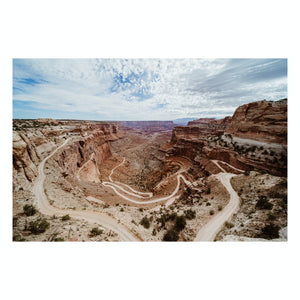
column 65, row 218
column 172, row 216
column 270, row 231
column 190, row 214
column 229, row 225
column 95, row 231
column 58, row 239
column 15, row 221
column 29, row 210
column 18, row 238
column 263, row 203
column 271, row 216
column 145, row 222
column 180, row 223
column 38, row 226
column 171, row 236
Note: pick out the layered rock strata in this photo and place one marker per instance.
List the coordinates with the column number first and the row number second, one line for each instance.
column 254, row 138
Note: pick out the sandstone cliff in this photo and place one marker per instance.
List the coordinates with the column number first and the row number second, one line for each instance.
column 264, row 121
column 33, row 140
column 254, row 138
column 94, row 149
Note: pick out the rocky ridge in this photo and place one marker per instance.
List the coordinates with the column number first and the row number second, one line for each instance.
column 254, row 138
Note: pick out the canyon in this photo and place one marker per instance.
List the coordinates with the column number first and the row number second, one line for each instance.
column 211, row 180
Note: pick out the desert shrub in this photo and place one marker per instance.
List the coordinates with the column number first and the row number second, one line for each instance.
column 263, row 203
column 29, row 210
column 121, row 209
column 208, row 204
column 271, row 216
column 162, row 220
column 171, row 236
column 38, row 226
column 229, row 225
column 208, row 191
column 65, row 218
column 270, row 231
column 18, row 238
column 58, row 239
column 172, row 216
column 220, row 207
column 15, row 221
column 247, row 173
column 211, row 212
column 190, row 214
column 180, row 223
column 154, row 231
column 145, row 222
column 95, row 231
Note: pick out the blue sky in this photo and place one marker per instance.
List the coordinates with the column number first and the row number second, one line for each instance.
column 142, row 89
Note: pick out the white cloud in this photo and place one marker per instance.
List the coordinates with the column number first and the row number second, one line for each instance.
column 145, row 88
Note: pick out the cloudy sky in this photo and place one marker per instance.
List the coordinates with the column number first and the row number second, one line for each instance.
column 142, row 89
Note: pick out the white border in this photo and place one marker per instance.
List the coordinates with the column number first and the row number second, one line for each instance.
column 217, row 29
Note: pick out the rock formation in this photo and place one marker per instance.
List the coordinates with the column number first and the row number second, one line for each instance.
column 33, row 139
column 254, row 138
column 264, row 121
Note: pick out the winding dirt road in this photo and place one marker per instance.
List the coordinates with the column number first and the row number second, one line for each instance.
column 206, row 233
column 117, row 188
column 210, row 229
column 89, row 216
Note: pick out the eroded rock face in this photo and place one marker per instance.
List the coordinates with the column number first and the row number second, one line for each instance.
column 264, row 121
column 24, row 156
column 254, row 138
column 33, row 140
column 93, row 149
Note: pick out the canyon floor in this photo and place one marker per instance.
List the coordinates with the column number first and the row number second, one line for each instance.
column 142, row 192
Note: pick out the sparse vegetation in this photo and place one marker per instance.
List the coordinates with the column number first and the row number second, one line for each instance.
column 180, row 222
column 190, row 214
column 29, row 210
column 15, row 221
column 145, row 222
column 270, row 231
column 229, row 225
column 95, row 231
column 38, row 226
column 65, row 218
column 171, row 236
column 263, row 203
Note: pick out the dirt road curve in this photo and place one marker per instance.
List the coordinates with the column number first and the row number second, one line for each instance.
column 92, row 217
column 115, row 186
column 210, row 229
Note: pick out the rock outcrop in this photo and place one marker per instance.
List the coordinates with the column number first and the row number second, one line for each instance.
column 34, row 139
column 25, row 157
column 264, row 121
column 254, row 138
column 93, row 149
